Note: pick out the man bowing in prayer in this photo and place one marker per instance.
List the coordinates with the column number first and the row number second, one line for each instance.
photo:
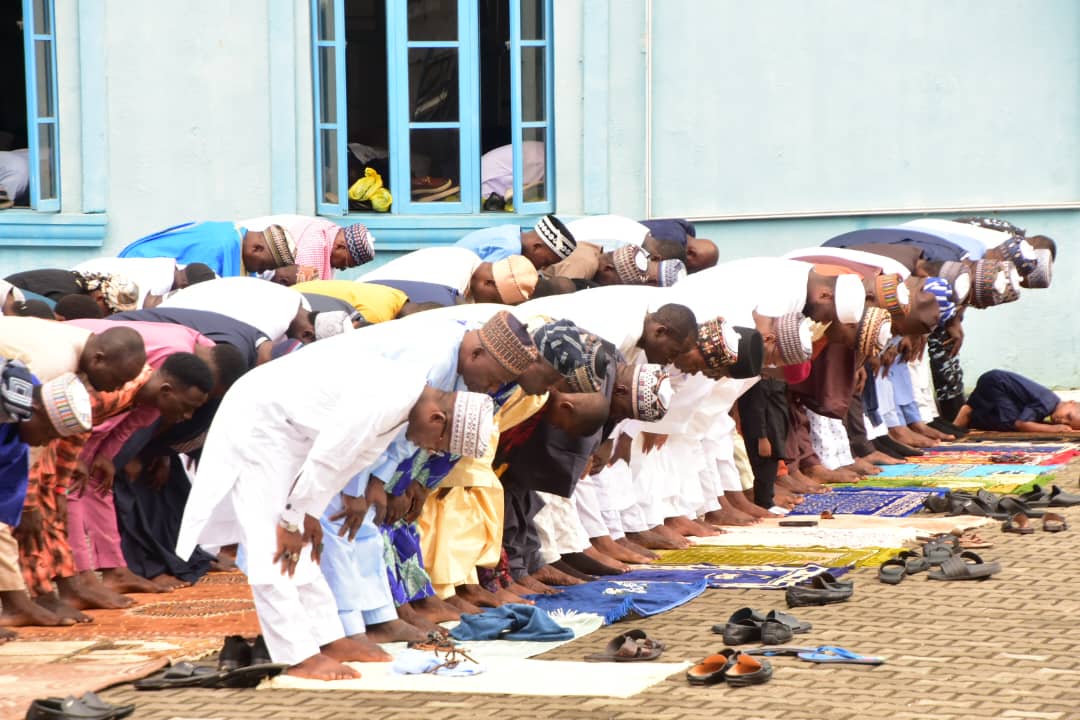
column 272, row 462
column 229, row 249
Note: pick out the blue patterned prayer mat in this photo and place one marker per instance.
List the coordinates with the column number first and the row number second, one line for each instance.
column 883, row 502
column 733, row 577
column 614, row 600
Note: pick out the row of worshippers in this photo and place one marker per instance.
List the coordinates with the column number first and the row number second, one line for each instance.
column 487, row 450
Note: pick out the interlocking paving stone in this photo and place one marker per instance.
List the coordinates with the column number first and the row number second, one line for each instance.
column 1004, row 648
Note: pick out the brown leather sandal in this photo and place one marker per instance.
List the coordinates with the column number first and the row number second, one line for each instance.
column 1018, row 524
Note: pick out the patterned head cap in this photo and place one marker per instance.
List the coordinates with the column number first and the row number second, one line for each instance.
column 718, row 343
column 507, row 340
column 1043, row 273
column 1018, row 251
column 332, row 322
column 875, row 329
column 892, row 295
column 650, row 393
column 794, row 339
column 281, row 245
column 671, row 272
column 959, row 277
column 990, row 284
column 567, row 347
column 993, row 223
column 120, row 294
column 16, row 391
column 360, row 244
column 943, row 293
column 67, row 403
column 1012, row 287
column 472, row 424
column 631, row 265
column 515, row 279
column 556, row 236
column 751, row 354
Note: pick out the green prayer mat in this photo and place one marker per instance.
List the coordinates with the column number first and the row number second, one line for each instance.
column 743, row 555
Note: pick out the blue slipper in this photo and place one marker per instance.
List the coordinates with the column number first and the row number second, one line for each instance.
column 828, row 654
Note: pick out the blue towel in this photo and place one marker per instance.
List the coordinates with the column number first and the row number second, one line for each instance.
column 511, row 622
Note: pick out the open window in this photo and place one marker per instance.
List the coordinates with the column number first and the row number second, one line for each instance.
column 449, row 101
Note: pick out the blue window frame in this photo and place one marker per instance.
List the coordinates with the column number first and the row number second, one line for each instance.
column 434, row 95
column 42, row 108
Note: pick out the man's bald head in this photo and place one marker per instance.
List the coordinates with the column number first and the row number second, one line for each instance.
column 112, row 358
column 701, row 254
column 580, row 414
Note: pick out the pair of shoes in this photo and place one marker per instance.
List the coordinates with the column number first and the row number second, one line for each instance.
column 747, row 625
column 241, row 664
column 239, row 652
column 630, row 646
column 494, row 203
column 1052, row 522
column 823, row 589
column 88, row 707
column 736, row 668
column 1056, row 497
column 965, row 566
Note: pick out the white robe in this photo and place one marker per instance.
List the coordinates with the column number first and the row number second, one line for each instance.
column 608, row 231
column 450, row 266
column 292, row 432
column 769, row 286
column 267, row 306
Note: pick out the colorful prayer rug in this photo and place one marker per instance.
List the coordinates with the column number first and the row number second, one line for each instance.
column 731, row 577
column 884, row 502
column 614, row 600
column 998, row 478
column 754, row 555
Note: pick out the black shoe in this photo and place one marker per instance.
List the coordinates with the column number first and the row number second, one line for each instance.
column 236, row 653
column 943, row 425
column 823, row 589
column 494, row 201
column 744, row 626
column 70, row 708
column 774, row 632
column 260, row 655
column 93, row 702
column 881, row 445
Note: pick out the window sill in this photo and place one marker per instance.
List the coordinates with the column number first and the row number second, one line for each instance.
column 27, row 228
column 399, row 233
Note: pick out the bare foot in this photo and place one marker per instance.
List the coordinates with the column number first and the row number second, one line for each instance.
column 462, row 605
column 322, row 667
column 396, row 630
column 61, row 609
column 528, row 586
column 355, row 648
column 84, row 593
column 822, row 474
column 504, row 596
column 614, row 550
column 744, row 501
column 688, row 528
column 652, row 540
column 168, row 581
column 728, row 516
column 418, row 621
column 20, row 611
column 797, row 482
column 476, row 595
column 666, row 532
column 225, row 561
column 7, row 636
column 862, row 467
column 908, row 437
column 562, row 566
column 122, row 580
column 591, row 563
column 879, row 458
column 634, row 547
column 436, row 609
column 549, row 575
column 603, row 557
column 924, row 429
column 782, row 498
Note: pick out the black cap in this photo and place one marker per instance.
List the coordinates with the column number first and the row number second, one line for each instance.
column 751, row 354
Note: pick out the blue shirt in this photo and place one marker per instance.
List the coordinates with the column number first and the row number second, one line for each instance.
column 1002, row 398
column 494, row 243
column 217, row 244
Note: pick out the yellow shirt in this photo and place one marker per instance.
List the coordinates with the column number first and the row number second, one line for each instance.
column 377, row 303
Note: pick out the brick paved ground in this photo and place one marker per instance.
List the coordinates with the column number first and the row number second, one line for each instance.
column 1005, row 648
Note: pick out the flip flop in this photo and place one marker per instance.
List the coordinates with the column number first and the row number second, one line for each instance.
column 631, row 646
column 971, row 540
column 1018, row 524
column 712, row 669
column 778, row 651
column 829, row 654
column 957, row 568
column 182, row 674
column 937, row 550
column 892, row 572
column 913, row 562
column 1052, row 522
column 748, row 670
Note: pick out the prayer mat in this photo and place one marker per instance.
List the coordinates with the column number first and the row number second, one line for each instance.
column 615, row 600
column 1000, row 454
column 999, row 478
column 884, row 502
column 754, row 555
column 507, row 677
column 820, row 535
column 731, row 577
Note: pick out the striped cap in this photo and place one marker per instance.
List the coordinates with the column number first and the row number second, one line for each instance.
column 555, row 235
column 281, row 245
column 67, row 403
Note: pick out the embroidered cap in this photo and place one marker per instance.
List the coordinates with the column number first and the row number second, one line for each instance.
column 332, row 322
column 793, row 338
column 1039, row 277
column 943, row 293
column 959, row 277
column 67, row 403
column 556, row 236
column 360, row 244
column 507, row 340
column 631, row 265
column 671, row 272
column 1012, row 286
column 875, row 329
column 751, row 354
column 650, row 393
column 718, row 343
column 990, row 284
column 281, row 245
column 472, row 424
column 515, row 279
column 891, row 294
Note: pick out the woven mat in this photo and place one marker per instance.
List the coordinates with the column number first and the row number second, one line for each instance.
column 744, row 555
column 882, row 502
